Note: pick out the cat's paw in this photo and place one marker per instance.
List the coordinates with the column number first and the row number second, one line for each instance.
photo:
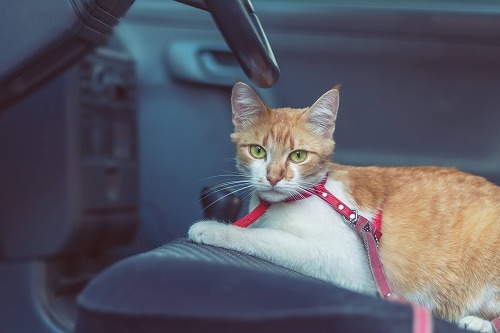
column 208, row 232
column 472, row 323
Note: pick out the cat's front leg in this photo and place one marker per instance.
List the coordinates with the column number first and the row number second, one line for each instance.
column 273, row 245
column 472, row 323
column 265, row 243
column 211, row 232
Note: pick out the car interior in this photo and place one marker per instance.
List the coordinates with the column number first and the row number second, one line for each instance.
column 115, row 119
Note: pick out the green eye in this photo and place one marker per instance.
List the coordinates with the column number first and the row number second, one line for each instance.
column 257, row 151
column 298, row 156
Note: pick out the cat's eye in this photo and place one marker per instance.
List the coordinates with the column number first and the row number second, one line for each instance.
column 298, row 156
column 257, row 151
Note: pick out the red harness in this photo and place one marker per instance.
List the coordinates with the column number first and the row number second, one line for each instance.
column 369, row 232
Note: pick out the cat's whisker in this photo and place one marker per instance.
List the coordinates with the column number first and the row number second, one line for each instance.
column 234, row 179
column 229, row 159
column 232, row 192
column 228, row 174
column 220, row 176
column 233, row 187
column 230, row 182
column 224, row 185
column 249, row 195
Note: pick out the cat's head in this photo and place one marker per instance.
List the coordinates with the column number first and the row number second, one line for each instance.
column 282, row 151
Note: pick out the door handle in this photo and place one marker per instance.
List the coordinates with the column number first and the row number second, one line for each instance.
column 202, row 62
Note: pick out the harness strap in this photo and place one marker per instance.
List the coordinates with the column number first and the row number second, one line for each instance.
column 422, row 319
column 254, row 215
column 496, row 324
column 370, row 243
column 340, row 207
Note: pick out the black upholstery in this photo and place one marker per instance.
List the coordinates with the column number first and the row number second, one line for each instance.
column 187, row 287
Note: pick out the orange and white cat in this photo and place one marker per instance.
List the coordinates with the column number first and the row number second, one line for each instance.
column 441, row 227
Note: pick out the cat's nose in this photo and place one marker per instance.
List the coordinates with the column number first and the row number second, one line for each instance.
column 273, row 180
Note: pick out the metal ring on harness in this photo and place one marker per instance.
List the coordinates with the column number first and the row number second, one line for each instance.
column 352, row 219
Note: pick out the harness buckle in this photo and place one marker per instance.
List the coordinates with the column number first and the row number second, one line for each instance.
column 353, row 218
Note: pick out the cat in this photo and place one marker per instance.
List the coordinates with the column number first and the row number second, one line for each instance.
column 441, row 226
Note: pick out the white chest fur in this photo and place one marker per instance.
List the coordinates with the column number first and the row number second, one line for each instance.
column 338, row 254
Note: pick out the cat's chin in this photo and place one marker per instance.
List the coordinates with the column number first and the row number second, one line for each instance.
column 273, row 195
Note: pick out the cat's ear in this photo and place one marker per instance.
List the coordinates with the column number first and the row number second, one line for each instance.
column 322, row 115
column 246, row 105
